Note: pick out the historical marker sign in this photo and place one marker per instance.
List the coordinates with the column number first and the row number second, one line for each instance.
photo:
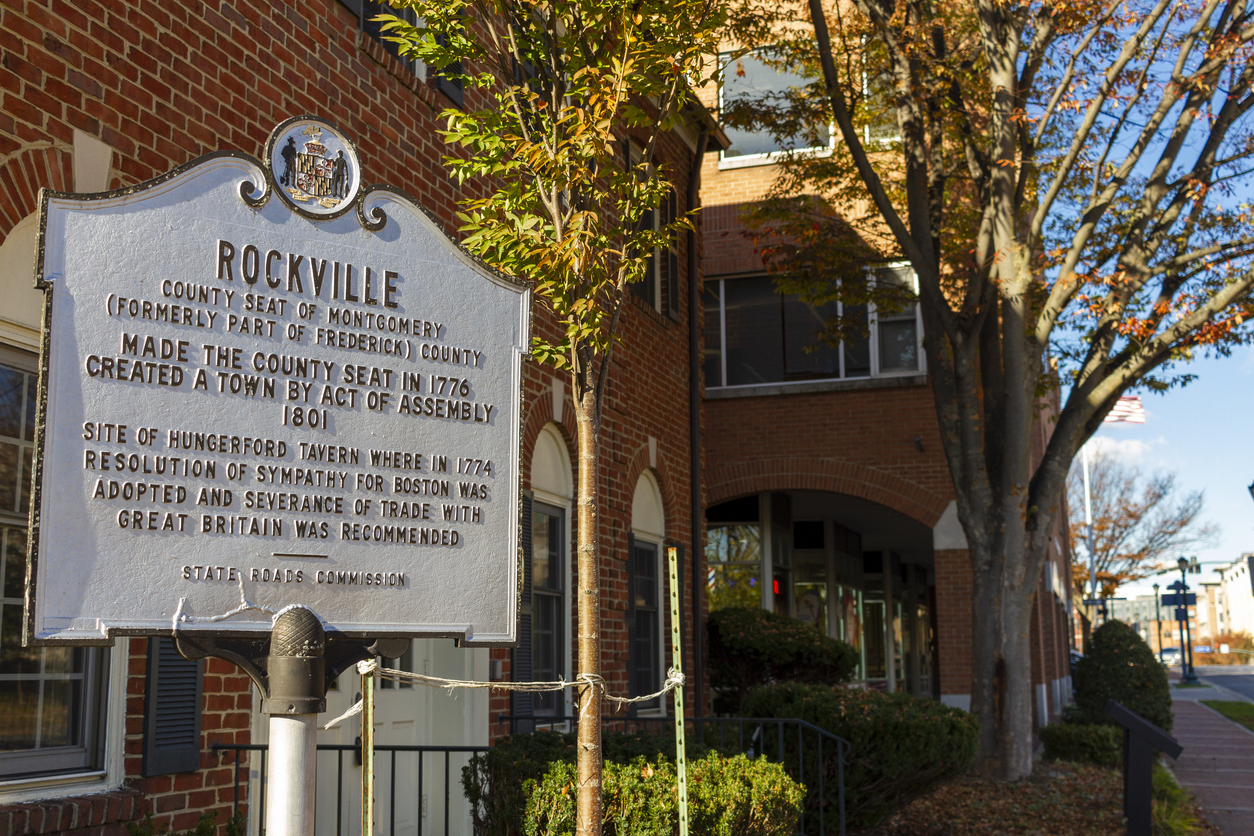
column 263, row 383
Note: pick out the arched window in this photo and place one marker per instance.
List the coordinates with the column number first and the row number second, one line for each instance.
column 644, row 611
column 544, row 649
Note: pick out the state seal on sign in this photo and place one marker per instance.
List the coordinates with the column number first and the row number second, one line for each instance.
column 314, row 166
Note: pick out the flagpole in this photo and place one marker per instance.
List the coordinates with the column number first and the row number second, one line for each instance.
column 1088, row 524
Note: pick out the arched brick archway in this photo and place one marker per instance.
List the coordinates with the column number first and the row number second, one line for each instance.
column 796, row 474
column 24, row 172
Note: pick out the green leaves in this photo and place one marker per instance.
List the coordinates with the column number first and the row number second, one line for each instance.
column 554, row 87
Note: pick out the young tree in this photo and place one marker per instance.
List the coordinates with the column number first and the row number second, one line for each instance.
column 1138, row 522
column 1065, row 178
column 554, row 90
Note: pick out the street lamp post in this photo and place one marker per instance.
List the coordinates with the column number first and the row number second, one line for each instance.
column 1187, row 657
column 1158, row 622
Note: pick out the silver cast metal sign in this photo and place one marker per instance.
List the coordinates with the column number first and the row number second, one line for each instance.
column 264, row 385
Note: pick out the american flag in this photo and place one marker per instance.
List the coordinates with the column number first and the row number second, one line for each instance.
column 1127, row 410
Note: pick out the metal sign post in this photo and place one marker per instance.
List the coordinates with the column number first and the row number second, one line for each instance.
column 1140, row 738
column 273, row 399
column 677, row 649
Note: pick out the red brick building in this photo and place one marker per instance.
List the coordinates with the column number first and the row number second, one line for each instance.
column 835, row 478
column 826, row 486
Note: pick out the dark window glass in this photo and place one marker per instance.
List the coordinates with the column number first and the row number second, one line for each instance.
column 647, row 653
column 807, row 534
column 713, row 353
column 750, row 78
column 548, row 561
column 646, row 287
column 804, row 353
column 755, row 344
column 858, row 347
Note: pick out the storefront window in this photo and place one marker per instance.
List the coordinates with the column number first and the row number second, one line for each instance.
column 733, row 554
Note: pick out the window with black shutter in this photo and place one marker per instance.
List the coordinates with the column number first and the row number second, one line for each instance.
column 171, row 711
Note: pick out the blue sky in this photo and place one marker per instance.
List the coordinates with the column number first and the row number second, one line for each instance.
column 1203, row 432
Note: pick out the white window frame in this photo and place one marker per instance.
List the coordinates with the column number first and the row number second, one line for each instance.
column 873, row 328
column 771, row 157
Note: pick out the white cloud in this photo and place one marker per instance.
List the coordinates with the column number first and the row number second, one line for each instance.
column 1131, row 450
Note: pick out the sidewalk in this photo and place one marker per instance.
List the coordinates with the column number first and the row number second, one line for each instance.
column 1218, row 760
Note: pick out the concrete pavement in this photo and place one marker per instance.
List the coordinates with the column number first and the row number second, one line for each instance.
column 1217, row 764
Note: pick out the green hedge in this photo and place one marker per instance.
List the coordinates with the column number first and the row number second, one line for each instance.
column 900, row 746
column 1119, row 665
column 750, row 646
column 525, row 784
column 1098, row 745
column 726, row 797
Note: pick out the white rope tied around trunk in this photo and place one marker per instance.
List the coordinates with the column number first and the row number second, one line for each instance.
column 585, row 680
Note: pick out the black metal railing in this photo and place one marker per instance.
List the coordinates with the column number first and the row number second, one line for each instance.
column 812, row 756
column 385, row 757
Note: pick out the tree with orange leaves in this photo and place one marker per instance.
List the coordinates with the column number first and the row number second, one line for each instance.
column 1068, row 181
column 1141, row 522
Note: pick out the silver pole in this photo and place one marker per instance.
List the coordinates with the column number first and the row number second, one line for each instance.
column 291, row 776
column 1088, row 524
column 296, row 667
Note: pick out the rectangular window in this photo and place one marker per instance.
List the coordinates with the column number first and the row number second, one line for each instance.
column 756, row 335
column 51, row 699
column 548, row 622
column 646, row 654
column 752, row 78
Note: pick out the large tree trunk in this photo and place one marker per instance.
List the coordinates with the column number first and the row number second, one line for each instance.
column 588, row 751
column 1001, row 668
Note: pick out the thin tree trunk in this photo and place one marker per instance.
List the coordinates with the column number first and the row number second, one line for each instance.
column 588, row 751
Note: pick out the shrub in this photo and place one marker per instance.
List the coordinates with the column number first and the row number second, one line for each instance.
column 735, row 796
column 1119, row 665
column 1098, row 745
column 900, row 746
column 750, row 646
column 525, row 784
column 1171, row 807
column 1235, row 642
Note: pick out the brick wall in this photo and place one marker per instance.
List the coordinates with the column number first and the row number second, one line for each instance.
column 164, row 82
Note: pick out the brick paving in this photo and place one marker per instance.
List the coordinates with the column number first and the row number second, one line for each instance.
column 1217, row 764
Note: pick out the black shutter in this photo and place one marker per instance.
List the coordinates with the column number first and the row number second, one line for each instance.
column 520, row 666
column 672, row 258
column 453, row 88
column 171, row 711
column 632, row 661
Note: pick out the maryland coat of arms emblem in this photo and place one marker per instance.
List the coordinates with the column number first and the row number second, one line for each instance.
column 314, row 166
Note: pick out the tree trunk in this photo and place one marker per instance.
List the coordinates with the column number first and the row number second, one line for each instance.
column 588, row 751
column 1001, row 674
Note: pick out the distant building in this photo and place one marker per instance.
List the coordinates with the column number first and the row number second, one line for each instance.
column 1237, row 595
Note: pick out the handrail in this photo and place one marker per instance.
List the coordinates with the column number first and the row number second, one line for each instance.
column 785, row 728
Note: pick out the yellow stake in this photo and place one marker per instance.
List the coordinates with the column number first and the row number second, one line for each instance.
column 681, row 760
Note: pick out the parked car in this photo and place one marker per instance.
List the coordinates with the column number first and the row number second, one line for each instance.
column 1171, row 656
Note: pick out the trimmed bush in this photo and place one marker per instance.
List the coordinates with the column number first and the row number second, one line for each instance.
column 750, row 646
column 735, row 796
column 1119, row 665
column 525, row 784
column 900, row 746
column 1098, row 745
